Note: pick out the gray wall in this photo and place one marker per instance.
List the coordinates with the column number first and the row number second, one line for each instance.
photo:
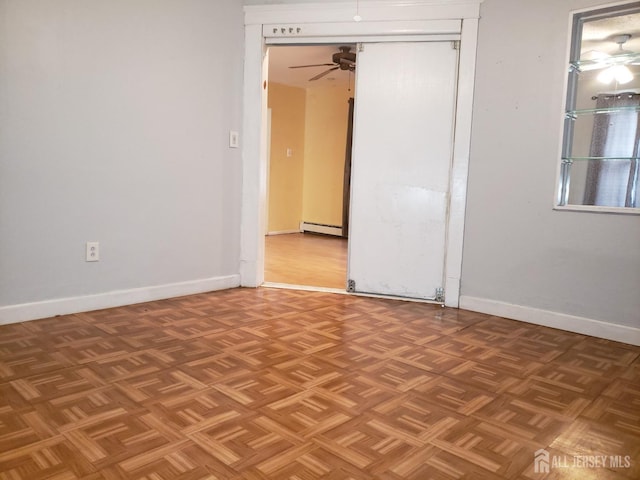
column 517, row 249
column 114, row 121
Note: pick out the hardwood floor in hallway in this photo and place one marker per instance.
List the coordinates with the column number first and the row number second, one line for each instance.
column 306, row 259
column 276, row 384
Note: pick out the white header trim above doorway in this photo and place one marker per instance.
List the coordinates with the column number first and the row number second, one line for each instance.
column 300, row 31
column 364, row 39
column 369, row 10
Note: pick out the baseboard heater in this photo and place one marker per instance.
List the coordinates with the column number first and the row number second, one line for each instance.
column 321, row 228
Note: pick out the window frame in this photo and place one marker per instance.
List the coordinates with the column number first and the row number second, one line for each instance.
column 576, row 21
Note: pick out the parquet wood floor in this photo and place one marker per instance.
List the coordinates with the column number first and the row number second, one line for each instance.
column 306, row 259
column 283, row 384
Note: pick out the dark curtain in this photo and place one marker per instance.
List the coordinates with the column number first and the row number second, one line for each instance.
column 616, row 136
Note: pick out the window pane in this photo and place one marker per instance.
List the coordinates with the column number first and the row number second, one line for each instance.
column 602, row 126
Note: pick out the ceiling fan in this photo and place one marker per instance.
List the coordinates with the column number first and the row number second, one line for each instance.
column 596, row 59
column 345, row 59
column 615, row 66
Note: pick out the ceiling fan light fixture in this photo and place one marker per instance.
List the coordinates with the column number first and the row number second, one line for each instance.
column 620, row 73
column 615, row 66
column 622, row 39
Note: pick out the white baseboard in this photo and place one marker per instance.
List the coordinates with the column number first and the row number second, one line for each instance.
column 548, row 318
column 64, row 306
column 283, row 232
column 318, row 228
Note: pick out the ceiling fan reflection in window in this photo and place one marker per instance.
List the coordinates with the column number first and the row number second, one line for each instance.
column 345, row 59
column 615, row 66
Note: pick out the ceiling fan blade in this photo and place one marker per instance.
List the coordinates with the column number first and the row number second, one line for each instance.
column 593, row 66
column 346, row 61
column 318, row 65
column 326, row 72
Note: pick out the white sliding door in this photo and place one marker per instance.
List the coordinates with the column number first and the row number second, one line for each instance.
column 402, row 151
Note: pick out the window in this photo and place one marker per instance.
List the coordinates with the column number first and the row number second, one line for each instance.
column 601, row 142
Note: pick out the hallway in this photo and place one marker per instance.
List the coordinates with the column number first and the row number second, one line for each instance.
column 306, row 259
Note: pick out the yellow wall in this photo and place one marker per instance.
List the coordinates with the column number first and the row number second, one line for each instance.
column 327, row 109
column 286, row 173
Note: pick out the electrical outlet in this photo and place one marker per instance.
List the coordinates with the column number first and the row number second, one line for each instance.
column 93, row 251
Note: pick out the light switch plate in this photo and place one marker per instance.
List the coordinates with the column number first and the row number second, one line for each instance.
column 234, row 139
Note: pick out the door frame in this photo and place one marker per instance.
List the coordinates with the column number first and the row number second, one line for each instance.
column 332, row 23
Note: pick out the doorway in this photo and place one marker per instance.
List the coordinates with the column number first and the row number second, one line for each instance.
column 433, row 21
column 402, row 152
column 310, row 100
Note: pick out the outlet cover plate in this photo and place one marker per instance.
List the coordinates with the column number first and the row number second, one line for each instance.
column 93, row 252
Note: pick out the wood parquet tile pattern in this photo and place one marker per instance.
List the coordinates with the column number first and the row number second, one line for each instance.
column 281, row 384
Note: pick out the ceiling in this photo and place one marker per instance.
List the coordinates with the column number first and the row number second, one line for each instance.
column 599, row 34
column 283, row 57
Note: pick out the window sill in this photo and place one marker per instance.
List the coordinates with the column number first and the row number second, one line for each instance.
column 596, row 209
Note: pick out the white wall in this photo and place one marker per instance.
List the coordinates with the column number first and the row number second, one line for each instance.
column 325, row 140
column 518, row 250
column 114, row 121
